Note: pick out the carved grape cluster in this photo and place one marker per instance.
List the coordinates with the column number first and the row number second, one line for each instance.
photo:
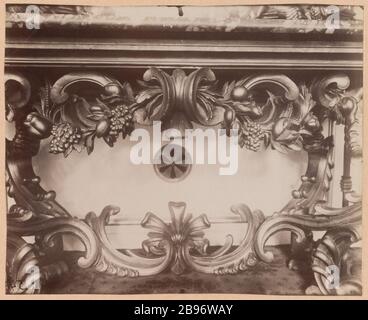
column 64, row 137
column 121, row 121
column 251, row 136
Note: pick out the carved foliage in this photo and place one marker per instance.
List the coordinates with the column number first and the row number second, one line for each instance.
column 179, row 245
column 78, row 121
column 266, row 107
column 182, row 234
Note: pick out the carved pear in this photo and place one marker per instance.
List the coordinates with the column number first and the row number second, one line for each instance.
column 102, row 127
column 239, row 93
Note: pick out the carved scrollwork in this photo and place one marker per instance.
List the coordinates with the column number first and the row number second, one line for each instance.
column 49, row 229
column 332, row 254
column 125, row 263
column 179, row 245
column 341, row 225
column 24, row 186
column 170, row 245
column 331, row 92
column 185, row 237
column 17, row 93
column 267, row 107
column 164, row 96
column 22, row 183
column 315, row 183
column 325, row 218
column 26, row 271
column 182, row 235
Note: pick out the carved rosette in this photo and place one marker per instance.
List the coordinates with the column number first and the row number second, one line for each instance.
column 268, row 109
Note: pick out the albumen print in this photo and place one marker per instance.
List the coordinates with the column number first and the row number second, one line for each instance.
column 184, row 149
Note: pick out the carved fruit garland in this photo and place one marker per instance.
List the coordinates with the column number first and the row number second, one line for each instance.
column 77, row 122
column 282, row 121
column 280, row 116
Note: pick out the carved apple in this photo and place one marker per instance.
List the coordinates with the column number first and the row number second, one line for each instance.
column 112, row 89
column 38, row 125
column 239, row 93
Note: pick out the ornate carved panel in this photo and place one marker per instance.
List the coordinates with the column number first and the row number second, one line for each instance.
column 288, row 104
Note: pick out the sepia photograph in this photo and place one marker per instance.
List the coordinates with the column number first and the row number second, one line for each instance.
column 183, row 149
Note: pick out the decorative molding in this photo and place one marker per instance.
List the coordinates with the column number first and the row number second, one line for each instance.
column 263, row 31
column 270, row 108
column 262, row 62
